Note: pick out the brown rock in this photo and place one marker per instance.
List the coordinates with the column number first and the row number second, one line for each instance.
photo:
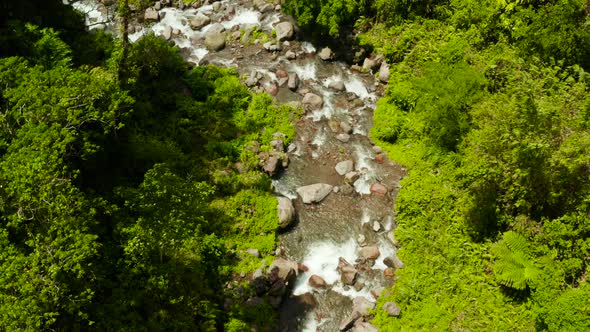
column 379, row 189
column 282, row 74
column 380, row 158
column 316, row 281
column 389, row 273
column 370, row 252
column 392, row 309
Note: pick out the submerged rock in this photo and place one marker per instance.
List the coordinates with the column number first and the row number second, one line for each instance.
column 314, row 193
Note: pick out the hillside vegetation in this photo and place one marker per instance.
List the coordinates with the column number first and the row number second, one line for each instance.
column 488, row 106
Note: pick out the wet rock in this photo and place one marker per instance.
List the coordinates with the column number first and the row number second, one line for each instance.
column 167, row 33
column 344, row 167
column 348, row 321
column 215, row 41
column 348, row 272
column 216, row 6
column 199, row 21
column 392, row 309
column 379, row 189
column 377, row 149
column 380, row 158
column 376, row 293
column 311, row 101
column 151, row 15
column 236, row 35
column 271, row 47
column 362, row 326
column 181, row 4
column 266, row 8
column 351, row 177
column 286, row 211
column 393, row 262
column 361, row 305
column 346, row 128
column 314, row 193
column 284, row 31
column 337, row 86
column 369, row 64
column 376, row 226
column 384, row 72
column 253, row 252
column 293, row 82
column 176, row 32
column 344, row 138
column 389, row 273
column 216, row 28
column 358, row 286
column 356, row 68
column 326, row 54
column 361, row 240
column 291, row 55
column 370, row 252
column 259, row 3
column 283, row 269
column 302, row 267
column 316, row 281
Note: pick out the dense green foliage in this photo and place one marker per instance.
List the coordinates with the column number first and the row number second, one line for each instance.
column 126, row 205
column 488, row 107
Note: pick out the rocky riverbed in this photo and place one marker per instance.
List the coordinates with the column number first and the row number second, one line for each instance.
column 336, row 190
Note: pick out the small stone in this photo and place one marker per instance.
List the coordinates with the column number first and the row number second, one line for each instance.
column 351, row 177
column 253, row 252
column 393, row 262
column 376, row 226
column 362, row 326
column 216, row 6
column 336, row 189
column 380, row 158
column 167, row 33
column 358, row 286
column 356, row 68
column 243, row 274
column 284, row 31
column 281, row 73
column 361, row 239
column 199, row 21
column 392, row 309
column 369, row 64
column 291, row 55
column 286, row 211
column 344, row 138
column 336, row 85
column 293, row 82
column 389, row 273
column 314, row 193
column 377, row 149
column 151, row 15
column 311, row 101
column 376, row 293
column 363, row 306
column 157, row 5
column 384, row 72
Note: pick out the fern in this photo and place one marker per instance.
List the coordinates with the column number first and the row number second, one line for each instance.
column 514, row 267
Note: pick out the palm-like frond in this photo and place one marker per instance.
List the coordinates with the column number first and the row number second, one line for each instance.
column 514, row 267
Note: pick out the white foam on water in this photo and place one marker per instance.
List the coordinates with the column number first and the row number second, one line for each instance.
column 327, row 110
column 386, row 249
column 332, row 79
column 322, row 259
column 307, row 47
column 306, row 72
column 244, row 16
column 91, row 13
column 283, row 188
column 320, row 138
column 388, row 224
column 138, row 34
column 310, row 324
column 355, row 85
column 175, row 19
column 271, row 75
column 365, row 165
column 352, row 293
column 269, row 22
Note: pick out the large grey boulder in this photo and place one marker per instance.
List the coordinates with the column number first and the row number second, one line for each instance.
column 311, row 101
column 215, row 28
column 151, row 15
column 199, row 21
column 344, row 167
column 284, row 31
column 215, row 41
column 314, row 193
column 286, row 211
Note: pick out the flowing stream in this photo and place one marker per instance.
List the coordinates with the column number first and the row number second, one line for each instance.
column 353, row 215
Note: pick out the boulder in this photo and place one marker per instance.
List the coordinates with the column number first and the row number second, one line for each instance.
column 347, row 271
column 293, row 82
column 199, row 21
column 284, row 31
column 316, row 281
column 283, row 269
column 393, row 262
column 392, row 309
column 337, row 85
column 370, row 252
column 311, row 101
column 215, row 28
column 286, row 211
column 314, row 193
column 379, row 189
column 151, row 15
column 344, row 138
column 215, row 41
column 345, row 127
column 326, row 54
column 369, row 64
column 271, row 165
column 362, row 326
column 384, row 72
column 344, row 167
column 363, row 306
